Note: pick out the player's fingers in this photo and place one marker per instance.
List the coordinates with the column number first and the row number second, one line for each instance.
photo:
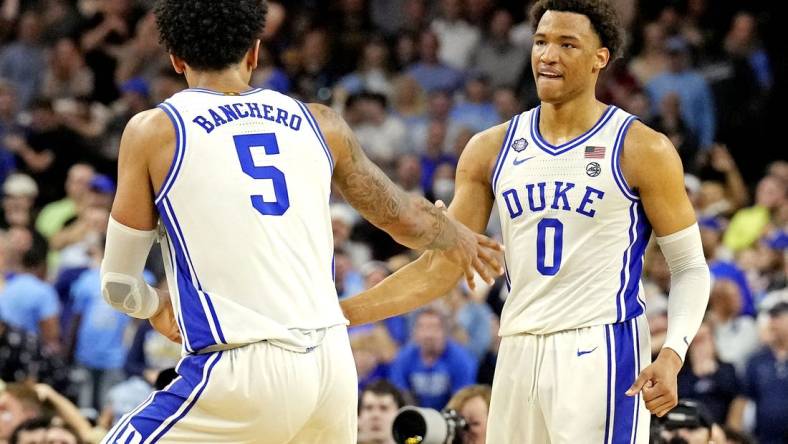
column 666, row 410
column 491, row 261
column 641, row 380
column 483, row 271
column 662, row 409
column 657, row 404
column 489, row 243
column 469, row 276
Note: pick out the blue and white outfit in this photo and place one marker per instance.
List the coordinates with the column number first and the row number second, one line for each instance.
column 574, row 330
column 248, row 249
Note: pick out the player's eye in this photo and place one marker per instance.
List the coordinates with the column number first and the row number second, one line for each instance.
column 539, row 42
column 568, row 45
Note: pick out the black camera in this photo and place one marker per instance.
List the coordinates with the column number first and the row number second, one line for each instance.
column 417, row 425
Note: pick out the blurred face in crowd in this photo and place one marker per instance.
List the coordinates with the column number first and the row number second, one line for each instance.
column 7, row 102
column 703, row 346
column 436, row 135
column 477, row 90
column 501, row 24
column 654, row 37
column 770, row 192
column 29, row 28
column 710, row 238
column 78, row 181
column 506, row 103
column 430, row 333
column 428, row 47
column 12, row 413
column 475, row 412
column 566, row 56
column 742, row 33
column 43, row 118
column 439, row 105
column 375, row 417
column 452, row 9
column 408, row 172
column 59, row 435
column 65, row 57
column 725, row 299
column 778, row 326
column 36, row 436
column 374, row 276
column 375, row 55
column 17, row 210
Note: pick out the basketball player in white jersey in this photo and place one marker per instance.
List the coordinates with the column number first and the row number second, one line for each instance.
column 239, row 181
column 579, row 185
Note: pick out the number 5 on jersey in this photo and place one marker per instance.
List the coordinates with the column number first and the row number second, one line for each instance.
column 243, row 146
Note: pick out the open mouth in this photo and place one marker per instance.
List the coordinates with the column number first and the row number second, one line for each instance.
column 550, row 75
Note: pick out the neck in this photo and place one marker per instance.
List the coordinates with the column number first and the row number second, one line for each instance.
column 233, row 79
column 559, row 122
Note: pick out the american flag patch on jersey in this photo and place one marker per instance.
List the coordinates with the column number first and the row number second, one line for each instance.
column 595, row 152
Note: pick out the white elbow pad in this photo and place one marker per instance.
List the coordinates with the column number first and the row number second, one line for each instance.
column 122, row 285
column 689, row 286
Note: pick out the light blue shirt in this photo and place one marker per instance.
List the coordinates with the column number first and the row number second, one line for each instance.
column 437, row 77
column 697, row 102
column 26, row 301
column 100, row 336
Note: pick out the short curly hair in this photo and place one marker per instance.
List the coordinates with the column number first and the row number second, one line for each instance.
column 210, row 35
column 603, row 16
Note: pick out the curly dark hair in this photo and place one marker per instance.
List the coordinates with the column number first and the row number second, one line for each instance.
column 210, row 35
column 603, row 16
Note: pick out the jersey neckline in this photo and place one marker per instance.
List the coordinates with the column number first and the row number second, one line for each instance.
column 577, row 141
column 219, row 93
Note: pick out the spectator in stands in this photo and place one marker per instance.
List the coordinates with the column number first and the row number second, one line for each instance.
column 706, row 378
column 439, row 106
column 19, row 196
column 498, row 57
column 458, row 39
column 99, row 348
column 381, row 134
column 473, row 404
column 748, row 224
column 8, row 125
column 141, row 57
column 735, row 334
column 378, row 406
column 372, row 73
column 507, row 105
column 315, row 75
column 433, row 366
column 652, row 60
column 697, row 102
column 476, row 112
column 431, row 73
column 408, row 174
column 470, row 320
column 66, row 75
column 711, row 231
column 343, row 218
column 31, row 431
column 29, row 302
column 766, row 383
column 408, row 100
column 56, row 214
column 742, row 42
column 22, row 61
column 670, row 122
column 18, row 403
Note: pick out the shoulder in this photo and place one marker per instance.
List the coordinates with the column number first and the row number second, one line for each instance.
column 648, row 154
column 641, row 140
column 328, row 119
column 148, row 130
column 482, row 149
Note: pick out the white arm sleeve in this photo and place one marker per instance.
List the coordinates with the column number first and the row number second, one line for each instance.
column 689, row 286
column 122, row 285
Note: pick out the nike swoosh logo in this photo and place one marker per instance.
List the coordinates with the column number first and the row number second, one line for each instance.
column 686, row 341
column 585, row 352
column 518, row 161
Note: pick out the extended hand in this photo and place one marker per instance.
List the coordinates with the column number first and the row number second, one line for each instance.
column 164, row 320
column 657, row 382
column 473, row 252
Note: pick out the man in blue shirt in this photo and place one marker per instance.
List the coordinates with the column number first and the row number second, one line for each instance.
column 29, row 303
column 697, row 102
column 433, row 367
column 429, row 72
column 766, row 382
column 99, row 343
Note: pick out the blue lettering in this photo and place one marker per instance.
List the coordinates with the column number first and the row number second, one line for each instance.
column 228, row 113
column 254, row 110
column 510, row 196
column 267, row 112
column 295, row 122
column 561, row 194
column 587, row 200
column 542, row 204
column 281, row 116
column 217, row 119
column 203, row 122
column 241, row 115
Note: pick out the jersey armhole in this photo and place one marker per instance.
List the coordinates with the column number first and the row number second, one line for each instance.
column 618, row 175
column 318, row 133
column 180, row 150
column 501, row 159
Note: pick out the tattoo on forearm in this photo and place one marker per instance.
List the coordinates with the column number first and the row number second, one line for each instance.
column 413, row 220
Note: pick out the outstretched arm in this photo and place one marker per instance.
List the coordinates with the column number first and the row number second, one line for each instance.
column 652, row 166
column 411, row 220
column 433, row 274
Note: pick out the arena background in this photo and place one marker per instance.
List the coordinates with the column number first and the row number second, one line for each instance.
column 414, row 79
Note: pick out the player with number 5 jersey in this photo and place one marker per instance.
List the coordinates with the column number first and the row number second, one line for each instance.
column 234, row 182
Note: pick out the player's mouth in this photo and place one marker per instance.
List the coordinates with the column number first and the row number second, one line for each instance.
column 549, row 75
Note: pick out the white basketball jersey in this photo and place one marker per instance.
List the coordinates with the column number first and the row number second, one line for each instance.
column 574, row 231
column 248, row 247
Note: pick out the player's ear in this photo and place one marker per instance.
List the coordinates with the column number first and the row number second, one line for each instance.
column 602, row 59
column 252, row 57
column 178, row 64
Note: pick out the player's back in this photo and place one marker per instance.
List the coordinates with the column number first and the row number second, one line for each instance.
column 574, row 231
column 248, row 246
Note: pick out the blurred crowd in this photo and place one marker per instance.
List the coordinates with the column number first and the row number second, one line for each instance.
column 415, row 79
